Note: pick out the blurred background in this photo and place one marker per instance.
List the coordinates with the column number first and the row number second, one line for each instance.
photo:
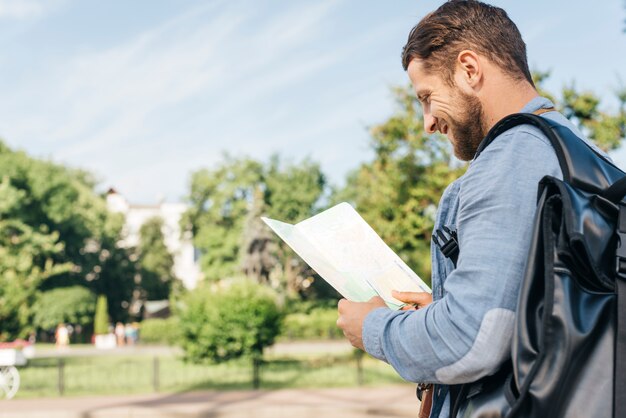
column 141, row 141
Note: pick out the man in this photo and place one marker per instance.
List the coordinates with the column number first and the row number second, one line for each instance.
column 467, row 63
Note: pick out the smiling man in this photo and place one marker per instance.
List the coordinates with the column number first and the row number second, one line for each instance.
column 467, row 63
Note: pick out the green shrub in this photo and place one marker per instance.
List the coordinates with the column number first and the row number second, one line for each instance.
column 160, row 331
column 319, row 323
column 73, row 305
column 101, row 321
column 226, row 323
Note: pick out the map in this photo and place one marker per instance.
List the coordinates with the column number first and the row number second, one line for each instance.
column 346, row 252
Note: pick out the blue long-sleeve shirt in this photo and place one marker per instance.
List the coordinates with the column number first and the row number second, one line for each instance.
column 466, row 332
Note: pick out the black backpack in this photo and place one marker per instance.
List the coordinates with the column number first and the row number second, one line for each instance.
column 568, row 356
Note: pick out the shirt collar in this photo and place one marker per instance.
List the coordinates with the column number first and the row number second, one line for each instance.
column 536, row 104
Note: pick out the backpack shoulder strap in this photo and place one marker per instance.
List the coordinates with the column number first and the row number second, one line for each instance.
column 581, row 165
column 516, row 119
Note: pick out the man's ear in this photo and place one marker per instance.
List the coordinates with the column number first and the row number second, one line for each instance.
column 469, row 69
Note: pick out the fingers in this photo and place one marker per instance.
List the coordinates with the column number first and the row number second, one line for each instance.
column 341, row 305
column 420, row 299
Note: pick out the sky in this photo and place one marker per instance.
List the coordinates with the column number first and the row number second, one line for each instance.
column 143, row 92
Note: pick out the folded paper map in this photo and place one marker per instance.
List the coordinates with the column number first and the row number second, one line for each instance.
column 342, row 248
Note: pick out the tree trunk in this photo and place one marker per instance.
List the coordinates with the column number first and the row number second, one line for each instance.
column 257, row 359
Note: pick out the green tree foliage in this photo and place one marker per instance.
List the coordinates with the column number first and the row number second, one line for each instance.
column 219, row 201
column 155, row 261
column 27, row 259
column 226, row 204
column 55, row 231
column 606, row 129
column 223, row 323
column 293, row 191
column 74, row 305
column 113, row 276
column 101, row 320
column 292, row 194
column 398, row 191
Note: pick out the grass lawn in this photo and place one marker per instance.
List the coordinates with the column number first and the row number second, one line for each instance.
column 136, row 374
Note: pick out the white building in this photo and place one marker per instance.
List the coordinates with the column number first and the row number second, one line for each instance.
column 180, row 246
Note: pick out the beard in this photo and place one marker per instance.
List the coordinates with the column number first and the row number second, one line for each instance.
column 468, row 128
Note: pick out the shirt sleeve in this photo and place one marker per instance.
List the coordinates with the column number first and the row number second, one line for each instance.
column 467, row 333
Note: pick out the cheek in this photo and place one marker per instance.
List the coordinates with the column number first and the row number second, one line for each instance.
column 440, row 105
column 442, row 110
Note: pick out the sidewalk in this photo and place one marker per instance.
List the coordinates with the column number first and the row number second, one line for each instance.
column 281, row 348
column 391, row 401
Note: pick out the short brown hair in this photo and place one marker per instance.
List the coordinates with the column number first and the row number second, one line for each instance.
column 467, row 24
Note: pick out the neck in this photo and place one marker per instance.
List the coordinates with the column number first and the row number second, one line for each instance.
column 505, row 98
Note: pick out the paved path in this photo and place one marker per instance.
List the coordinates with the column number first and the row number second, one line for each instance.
column 391, row 401
column 295, row 347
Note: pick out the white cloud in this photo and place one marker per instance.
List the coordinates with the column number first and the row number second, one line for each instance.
column 95, row 107
column 25, row 9
column 144, row 112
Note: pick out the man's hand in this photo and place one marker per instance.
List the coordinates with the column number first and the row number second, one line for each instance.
column 352, row 315
column 415, row 300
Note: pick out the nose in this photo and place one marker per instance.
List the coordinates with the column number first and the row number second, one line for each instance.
column 430, row 123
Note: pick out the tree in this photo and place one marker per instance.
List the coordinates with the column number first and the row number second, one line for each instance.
column 113, row 277
column 226, row 204
column 155, row 261
column 259, row 247
column 29, row 256
column 56, row 232
column 26, row 262
column 606, row 129
column 398, row 191
column 293, row 192
column 101, row 321
column 219, row 201
column 73, row 305
column 238, row 320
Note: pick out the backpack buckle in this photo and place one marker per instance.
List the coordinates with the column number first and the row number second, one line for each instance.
column 448, row 242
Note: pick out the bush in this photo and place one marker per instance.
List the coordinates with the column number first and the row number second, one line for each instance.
column 223, row 324
column 319, row 323
column 101, row 321
column 160, row 331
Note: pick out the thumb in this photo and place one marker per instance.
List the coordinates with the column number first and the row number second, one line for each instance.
column 420, row 299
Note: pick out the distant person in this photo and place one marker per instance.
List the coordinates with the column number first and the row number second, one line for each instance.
column 120, row 334
column 62, row 337
column 129, row 333
column 135, row 326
